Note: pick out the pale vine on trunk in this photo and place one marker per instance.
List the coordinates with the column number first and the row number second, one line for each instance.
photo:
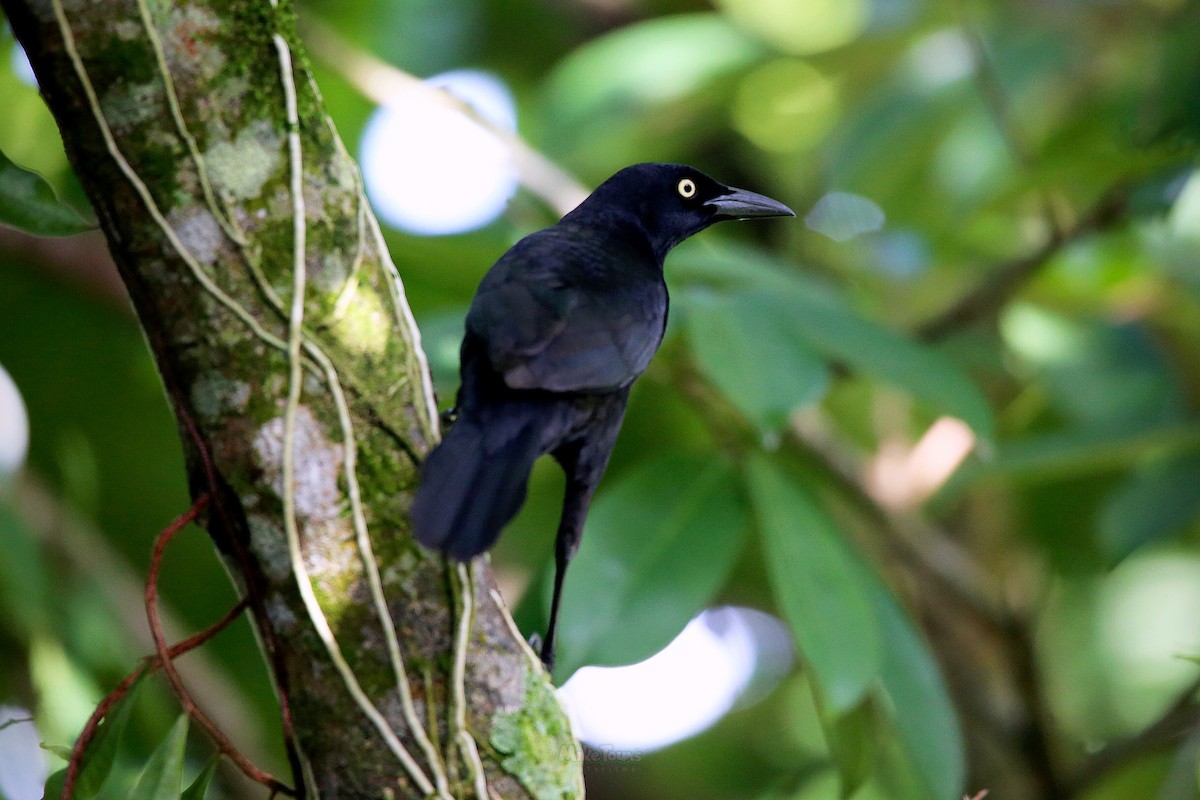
column 286, row 346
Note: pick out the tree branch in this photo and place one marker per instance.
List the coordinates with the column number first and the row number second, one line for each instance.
column 285, row 343
column 1180, row 719
column 383, row 83
column 998, row 288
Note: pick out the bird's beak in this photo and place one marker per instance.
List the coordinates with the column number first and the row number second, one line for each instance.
column 741, row 204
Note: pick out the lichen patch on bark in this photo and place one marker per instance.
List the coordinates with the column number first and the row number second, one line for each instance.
column 316, row 469
column 199, row 232
column 243, row 166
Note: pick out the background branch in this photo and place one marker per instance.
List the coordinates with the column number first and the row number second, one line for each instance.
column 1004, row 281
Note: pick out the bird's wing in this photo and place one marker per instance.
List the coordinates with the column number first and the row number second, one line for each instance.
column 544, row 331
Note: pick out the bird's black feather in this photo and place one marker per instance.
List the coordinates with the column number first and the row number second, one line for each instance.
column 559, row 329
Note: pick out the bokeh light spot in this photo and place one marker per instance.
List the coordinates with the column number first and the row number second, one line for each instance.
column 1150, row 613
column 1185, row 213
column 785, row 106
column 972, row 158
column 14, row 427
column 1039, row 336
column 842, row 215
column 430, row 169
column 22, row 760
column 21, row 66
column 800, row 26
column 941, row 58
column 681, row 690
column 900, row 254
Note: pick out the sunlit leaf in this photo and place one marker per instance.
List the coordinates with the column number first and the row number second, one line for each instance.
column 27, row 202
column 60, row 750
column 642, row 88
column 648, row 62
column 801, row 26
column 162, row 778
column 659, row 543
column 785, row 105
column 818, row 587
column 753, row 356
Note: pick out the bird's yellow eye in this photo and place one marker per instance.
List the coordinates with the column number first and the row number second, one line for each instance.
column 687, row 187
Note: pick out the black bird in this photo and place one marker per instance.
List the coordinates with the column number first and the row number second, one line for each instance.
column 560, row 328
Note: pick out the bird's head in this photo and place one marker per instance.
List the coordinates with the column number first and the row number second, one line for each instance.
column 672, row 201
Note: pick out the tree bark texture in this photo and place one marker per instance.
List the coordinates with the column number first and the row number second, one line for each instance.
column 287, row 349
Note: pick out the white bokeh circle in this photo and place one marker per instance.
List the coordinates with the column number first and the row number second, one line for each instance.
column 430, row 169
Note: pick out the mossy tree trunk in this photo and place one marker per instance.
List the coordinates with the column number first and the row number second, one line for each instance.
column 281, row 331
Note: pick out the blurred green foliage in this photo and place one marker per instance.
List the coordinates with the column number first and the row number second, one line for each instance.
column 28, row 203
column 758, row 464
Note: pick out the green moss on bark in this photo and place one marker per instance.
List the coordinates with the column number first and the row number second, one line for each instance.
column 536, row 743
column 191, row 233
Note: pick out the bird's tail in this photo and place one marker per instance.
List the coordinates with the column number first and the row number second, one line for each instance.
column 473, row 483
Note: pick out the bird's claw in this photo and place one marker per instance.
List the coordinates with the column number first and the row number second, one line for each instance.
column 539, row 647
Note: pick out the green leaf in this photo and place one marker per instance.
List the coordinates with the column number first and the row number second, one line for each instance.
column 27, row 202
column 641, row 86
column 753, row 356
column 728, row 266
column 24, row 585
column 200, row 786
column 1073, row 452
column 868, row 347
column 818, row 586
column 1152, row 504
column 647, row 63
column 163, row 776
column 922, row 717
column 850, row 737
column 854, row 636
column 659, row 543
column 60, row 750
column 102, row 750
column 54, row 785
column 441, row 336
column 822, row 321
column 1131, row 379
